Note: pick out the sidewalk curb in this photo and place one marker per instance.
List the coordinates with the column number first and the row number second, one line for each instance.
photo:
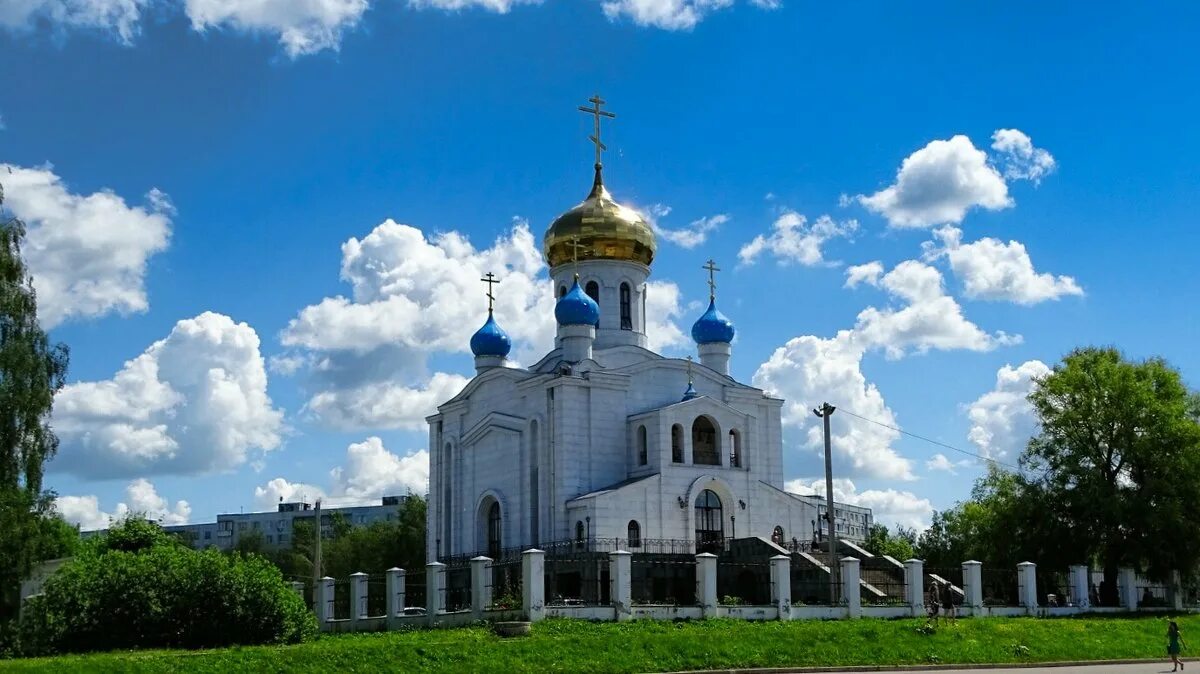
column 919, row 668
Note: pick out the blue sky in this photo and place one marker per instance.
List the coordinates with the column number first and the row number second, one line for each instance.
column 272, row 138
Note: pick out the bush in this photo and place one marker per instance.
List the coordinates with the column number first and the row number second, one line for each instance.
column 138, row 587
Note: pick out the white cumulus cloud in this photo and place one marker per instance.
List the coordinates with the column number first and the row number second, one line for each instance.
column 940, row 462
column 119, row 18
column 1002, row 420
column 868, row 273
column 793, row 239
column 86, row 253
column 694, row 234
column 370, row 472
column 411, row 299
column 890, row 507
column 141, row 498
column 993, row 270
column 302, row 26
column 1019, row 158
column 193, row 402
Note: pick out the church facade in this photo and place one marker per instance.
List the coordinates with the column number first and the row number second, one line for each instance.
column 603, row 438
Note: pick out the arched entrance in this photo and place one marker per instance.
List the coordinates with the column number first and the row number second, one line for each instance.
column 710, row 522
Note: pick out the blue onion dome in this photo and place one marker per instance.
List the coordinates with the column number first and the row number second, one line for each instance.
column 490, row 340
column 712, row 326
column 690, row 393
column 576, row 308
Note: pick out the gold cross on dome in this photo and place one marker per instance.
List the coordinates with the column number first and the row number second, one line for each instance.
column 491, row 280
column 689, row 360
column 712, row 279
column 596, row 112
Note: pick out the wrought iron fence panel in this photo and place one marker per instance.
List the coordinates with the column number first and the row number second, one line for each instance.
column 810, row 586
column 458, row 588
column 663, row 580
column 504, row 579
column 744, row 582
column 1054, row 588
column 891, row 593
column 576, row 581
column 376, row 594
column 1153, row 595
column 414, row 591
column 341, row 600
column 1000, row 587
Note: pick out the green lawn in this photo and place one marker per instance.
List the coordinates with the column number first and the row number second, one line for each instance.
column 575, row 646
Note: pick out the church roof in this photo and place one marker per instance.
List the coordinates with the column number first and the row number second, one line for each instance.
column 614, row 487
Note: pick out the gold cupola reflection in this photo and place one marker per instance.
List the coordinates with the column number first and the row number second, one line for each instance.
column 599, row 228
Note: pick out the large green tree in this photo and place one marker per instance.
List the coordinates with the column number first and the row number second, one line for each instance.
column 32, row 369
column 1117, row 458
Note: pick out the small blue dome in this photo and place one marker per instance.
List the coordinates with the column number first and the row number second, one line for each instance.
column 490, row 340
column 576, row 308
column 712, row 327
column 690, row 392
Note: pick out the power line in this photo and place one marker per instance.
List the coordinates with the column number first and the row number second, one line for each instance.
column 931, row 441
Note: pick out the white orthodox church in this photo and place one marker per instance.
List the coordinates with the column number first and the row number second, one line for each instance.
column 603, row 438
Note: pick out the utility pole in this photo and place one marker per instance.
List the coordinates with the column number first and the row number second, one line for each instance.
column 825, row 412
column 317, row 554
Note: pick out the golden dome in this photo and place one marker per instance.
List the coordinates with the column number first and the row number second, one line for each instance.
column 600, row 229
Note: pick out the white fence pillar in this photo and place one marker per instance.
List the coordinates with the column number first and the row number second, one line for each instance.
column 972, row 586
column 851, row 589
column 1027, row 586
column 781, row 585
column 1081, row 586
column 914, row 581
column 395, row 592
column 323, row 596
column 620, row 589
column 435, row 589
column 481, row 588
column 706, row 583
column 1127, row 588
column 1175, row 591
column 358, row 596
column 533, row 584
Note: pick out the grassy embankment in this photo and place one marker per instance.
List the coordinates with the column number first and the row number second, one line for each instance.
column 573, row 646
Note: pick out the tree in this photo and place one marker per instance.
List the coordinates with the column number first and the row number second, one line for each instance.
column 31, row 371
column 899, row 546
column 1118, row 455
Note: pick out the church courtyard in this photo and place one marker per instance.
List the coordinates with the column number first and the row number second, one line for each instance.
column 654, row 646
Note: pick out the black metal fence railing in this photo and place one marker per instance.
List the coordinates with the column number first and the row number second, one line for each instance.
column 663, row 580
column 887, row 593
column 1153, row 595
column 414, row 591
column 376, row 595
column 341, row 600
column 744, row 582
column 1000, row 587
column 457, row 593
column 504, row 580
column 576, row 581
column 811, row 586
column 1054, row 588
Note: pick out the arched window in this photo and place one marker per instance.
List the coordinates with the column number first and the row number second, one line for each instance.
column 634, row 534
column 704, row 443
column 579, row 533
column 494, row 530
column 710, row 521
column 735, row 450
column 677, row 444
column 562, row 290
column 626, row 310
column 777, row 536
column 593, row 291
column 643, row 449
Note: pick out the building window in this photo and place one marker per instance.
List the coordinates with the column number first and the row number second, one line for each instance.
column 207, row 535
column 777, row 536
column 643, row 450
column 704, row 443
column 626, row 311
column 593, row 291
column 634, row 534
column 735, row 450
column 579, row 534
column 494, row 530
column 256, row 526
column 710, row 520
column 562, row 290
column 677, row 444
column 270, row 539
column 283, row 538
column 241, row 526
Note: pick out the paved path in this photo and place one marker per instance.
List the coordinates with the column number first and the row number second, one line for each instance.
column 1163, row 667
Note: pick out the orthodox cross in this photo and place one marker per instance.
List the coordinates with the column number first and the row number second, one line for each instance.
column 491, row 280
column 712, row 280
column 689, row 359
column 596, row 112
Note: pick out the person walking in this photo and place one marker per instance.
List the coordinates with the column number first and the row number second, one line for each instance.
column 948, row 602
column 932, row 600
column 1174, row 643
